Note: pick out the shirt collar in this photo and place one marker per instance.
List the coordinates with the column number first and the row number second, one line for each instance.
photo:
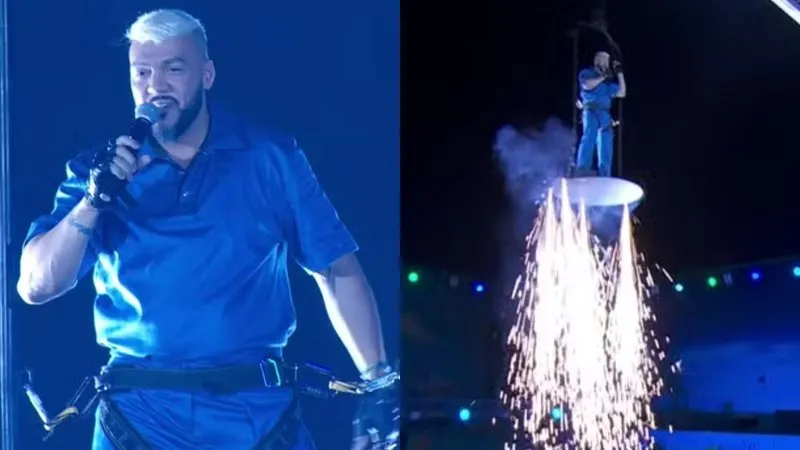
column 225, row 133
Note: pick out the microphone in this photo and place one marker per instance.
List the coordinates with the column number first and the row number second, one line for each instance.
column 105, row 185
column 145, row 115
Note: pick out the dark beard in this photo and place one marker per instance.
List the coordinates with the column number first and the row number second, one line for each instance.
column 186, row 117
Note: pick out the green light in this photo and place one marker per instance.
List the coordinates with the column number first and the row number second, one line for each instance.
column 413, row 277
column 712, row 282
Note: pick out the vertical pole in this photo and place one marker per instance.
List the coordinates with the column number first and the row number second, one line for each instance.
column 6, row 359
column 619, row 137
column 575, row 112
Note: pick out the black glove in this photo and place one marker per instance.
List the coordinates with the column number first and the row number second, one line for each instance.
column 376, row 425
column 103, row 186
column 616, row 67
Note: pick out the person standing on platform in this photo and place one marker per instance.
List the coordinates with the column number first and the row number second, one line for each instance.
column 599, row 85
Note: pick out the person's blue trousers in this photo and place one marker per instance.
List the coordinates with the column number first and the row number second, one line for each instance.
column 597, row 130
column 172, row 420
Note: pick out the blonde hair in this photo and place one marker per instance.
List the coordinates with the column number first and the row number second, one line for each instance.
column 162, row 24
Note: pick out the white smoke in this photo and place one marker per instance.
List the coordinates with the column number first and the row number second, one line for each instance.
column 533, row 159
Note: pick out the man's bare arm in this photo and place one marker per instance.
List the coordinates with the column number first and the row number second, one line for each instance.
column 622, row 86
column 353, row 312
column 50, row 262
column 592, row 83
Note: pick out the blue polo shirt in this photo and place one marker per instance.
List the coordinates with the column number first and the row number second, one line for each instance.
column 190, row 269
column 602, row 95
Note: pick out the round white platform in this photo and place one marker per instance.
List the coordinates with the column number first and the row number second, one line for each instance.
column 600, row 191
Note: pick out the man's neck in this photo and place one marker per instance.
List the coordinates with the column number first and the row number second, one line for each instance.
column 197, row 131
column 183, row 149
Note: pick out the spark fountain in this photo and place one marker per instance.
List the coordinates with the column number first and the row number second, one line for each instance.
column 582, row 343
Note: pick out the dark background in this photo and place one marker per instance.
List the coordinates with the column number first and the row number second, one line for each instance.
column 709, row 123
column 325, row 72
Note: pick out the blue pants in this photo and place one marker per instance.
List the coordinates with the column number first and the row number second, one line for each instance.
column 172, row 420
column 597, row 130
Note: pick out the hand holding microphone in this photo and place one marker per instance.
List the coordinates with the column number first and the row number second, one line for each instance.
column 113, row 167
column 616, row 66
column 123, row 159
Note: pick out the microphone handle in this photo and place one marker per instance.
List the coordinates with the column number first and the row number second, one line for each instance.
column 140, row 129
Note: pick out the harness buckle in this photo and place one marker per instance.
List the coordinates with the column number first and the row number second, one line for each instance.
column 71, row 411
column 271, row 373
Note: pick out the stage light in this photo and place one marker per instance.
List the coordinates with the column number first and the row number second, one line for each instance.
column 479, row 287
column 728, row 279
column 678, row 287
column 464, row 414
column 454, row 281
column 755, row 276
column 796, row 271
column 556, row 413
column 413, row 277
column 790, row 7
column 712, row 282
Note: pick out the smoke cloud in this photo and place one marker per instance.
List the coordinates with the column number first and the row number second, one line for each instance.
column 532, row 159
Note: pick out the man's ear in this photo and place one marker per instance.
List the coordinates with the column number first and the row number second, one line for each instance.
column 209, row 74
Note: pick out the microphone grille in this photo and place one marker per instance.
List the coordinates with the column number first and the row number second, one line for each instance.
column 148, row 112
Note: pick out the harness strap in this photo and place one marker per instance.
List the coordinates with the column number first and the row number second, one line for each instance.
column 283, row 435
column 270, row 373
column 116, row 428
column 594, row 107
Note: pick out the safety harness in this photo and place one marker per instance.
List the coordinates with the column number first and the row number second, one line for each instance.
column 271, row 372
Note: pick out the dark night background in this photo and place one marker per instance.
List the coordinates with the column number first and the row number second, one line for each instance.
column 709, row 122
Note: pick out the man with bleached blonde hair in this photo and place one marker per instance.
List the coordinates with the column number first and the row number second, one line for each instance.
column 189, row 232
column 599, row 85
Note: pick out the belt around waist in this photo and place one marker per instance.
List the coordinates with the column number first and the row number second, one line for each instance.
column 269, row 373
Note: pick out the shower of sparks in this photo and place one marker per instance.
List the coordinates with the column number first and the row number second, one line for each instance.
column 582, row 342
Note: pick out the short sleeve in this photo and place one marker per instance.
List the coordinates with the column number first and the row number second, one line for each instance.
column 586, row 74
column 318, row 237
column 613, row 89
column 69, row 193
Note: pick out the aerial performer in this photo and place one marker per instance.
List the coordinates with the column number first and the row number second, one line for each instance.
column 599, row 85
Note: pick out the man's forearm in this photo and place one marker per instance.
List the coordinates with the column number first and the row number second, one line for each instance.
column 623, row 88
column 50, row 263
column 353, row 312
column 593, row 83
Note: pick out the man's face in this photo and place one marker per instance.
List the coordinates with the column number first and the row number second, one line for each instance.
column 602, row 61
column 174, row 76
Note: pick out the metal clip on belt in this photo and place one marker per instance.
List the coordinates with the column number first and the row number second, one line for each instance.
column 362, row 388
column 269, row 373
column 72, row 410
column 337, row 386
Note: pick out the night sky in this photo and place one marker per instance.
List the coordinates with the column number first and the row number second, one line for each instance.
column 711, row 123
